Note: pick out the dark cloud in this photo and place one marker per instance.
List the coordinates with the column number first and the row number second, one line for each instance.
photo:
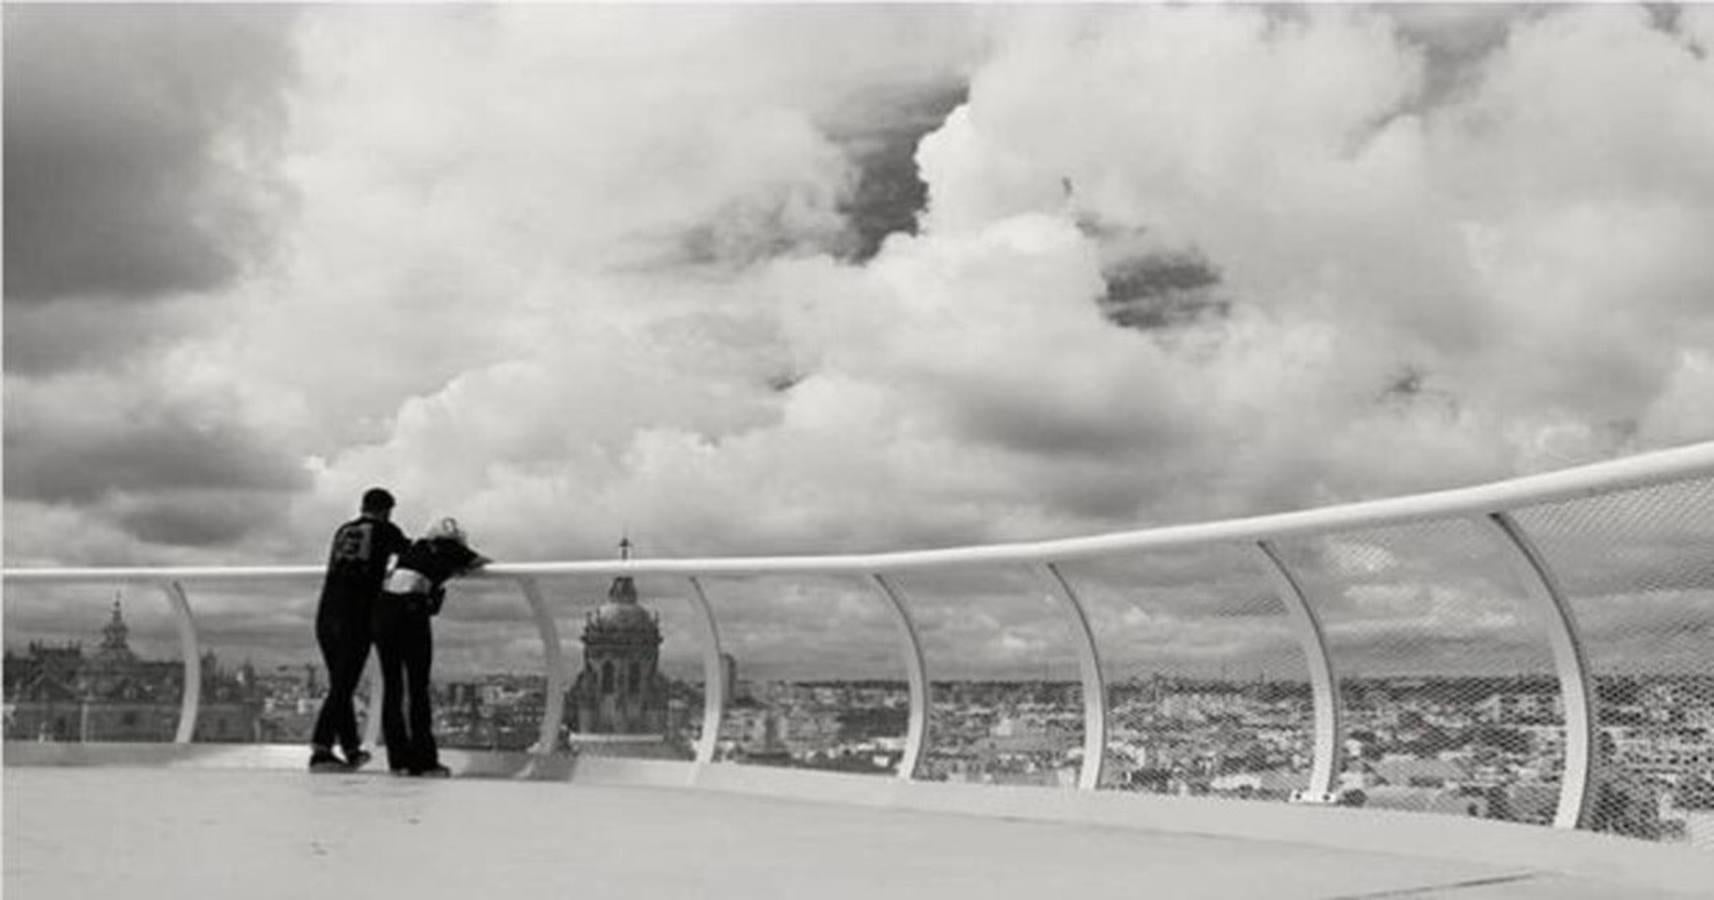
column 751, row 229
column 199, row 518
column 1232, row 568
column 100, row 333
column 1161, row 290
column 272, row 624
column 133, row 136
column 877, row 131
column 64, row 456
column 1610, row 567
column 1454, row 39
column 889, row 193
column 1405, row 650
column 1647, row 541
column 1091, row 494
column 1027, row 418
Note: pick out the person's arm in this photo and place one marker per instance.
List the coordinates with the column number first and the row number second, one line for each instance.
column 461, row 560
column 469, row 560
column 400, row 542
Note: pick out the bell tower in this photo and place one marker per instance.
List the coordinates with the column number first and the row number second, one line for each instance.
column 113, row 636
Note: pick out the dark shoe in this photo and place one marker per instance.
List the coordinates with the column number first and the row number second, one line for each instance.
column 434, row 771
column 356, row 759
column 325, row 761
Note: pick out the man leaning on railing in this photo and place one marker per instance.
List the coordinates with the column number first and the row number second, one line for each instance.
column 356, row 564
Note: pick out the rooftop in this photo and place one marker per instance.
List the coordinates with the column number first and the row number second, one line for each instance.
column 148, row 832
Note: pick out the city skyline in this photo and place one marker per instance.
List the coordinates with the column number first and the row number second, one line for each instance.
column 1490, row 747
column 478, row 650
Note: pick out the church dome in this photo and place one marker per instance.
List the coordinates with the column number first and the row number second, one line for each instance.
column 615, row 616
column 622, row 616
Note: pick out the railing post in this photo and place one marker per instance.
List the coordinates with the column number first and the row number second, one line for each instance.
column 916, row 670
column 191, row 698
column 1569, row 660
column 713, row 675
column 1329, row 725
column 553, row 704
column 1094, row 687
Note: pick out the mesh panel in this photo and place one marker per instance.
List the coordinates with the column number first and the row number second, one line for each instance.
column 1447, row 683
column 488, row 673
column 1638, row 570
column 1006, row 701
column 819, row 682
column 266, row 663
column 1207, row 687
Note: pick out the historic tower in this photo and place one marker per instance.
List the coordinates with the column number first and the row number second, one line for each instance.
column 621, row 690
column 114, row 636
column 112, row 671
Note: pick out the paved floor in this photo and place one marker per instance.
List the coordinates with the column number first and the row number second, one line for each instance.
column 156, row 833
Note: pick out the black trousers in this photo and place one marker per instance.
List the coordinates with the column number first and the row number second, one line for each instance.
column 406, row 644
column 344, row 639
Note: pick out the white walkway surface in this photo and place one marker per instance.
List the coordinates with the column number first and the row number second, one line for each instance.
column 144, row 833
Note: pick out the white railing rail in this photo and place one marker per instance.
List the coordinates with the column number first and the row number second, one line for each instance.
column 1491, row 507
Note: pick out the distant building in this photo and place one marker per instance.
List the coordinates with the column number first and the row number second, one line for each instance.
column 1621, row 801
column 1417, row 773
column 1521, row 707
column 729, row 676
column 1469, row 801
column 59, row 693
column 620, row 689
column 1268, row 785
column 1670, row 753
column 1689, row 811
column 619, row 704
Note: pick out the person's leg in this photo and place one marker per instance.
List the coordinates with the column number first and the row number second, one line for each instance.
column 342, row 685
column 418, row 653
column 357, row 643
column 330, row 639
column 387, row 646
column 427, row 746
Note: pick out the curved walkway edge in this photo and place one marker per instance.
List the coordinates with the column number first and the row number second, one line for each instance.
column 1580, row 854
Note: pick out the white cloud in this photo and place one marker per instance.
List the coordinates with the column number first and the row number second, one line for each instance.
column 555, row 279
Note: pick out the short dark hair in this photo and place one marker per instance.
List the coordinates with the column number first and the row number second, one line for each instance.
column 377, row 499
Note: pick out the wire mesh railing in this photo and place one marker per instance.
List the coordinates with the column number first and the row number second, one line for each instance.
column 1539, row 650
column 1637, row 568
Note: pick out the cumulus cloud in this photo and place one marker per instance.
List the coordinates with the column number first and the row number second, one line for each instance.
column 144, row 459
column 138, row 187
column 1162, row 264
column 127, row 177
column 81, row 446
column 47, row 339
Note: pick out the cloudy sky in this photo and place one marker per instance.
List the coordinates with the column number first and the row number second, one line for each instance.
column 769, row 279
